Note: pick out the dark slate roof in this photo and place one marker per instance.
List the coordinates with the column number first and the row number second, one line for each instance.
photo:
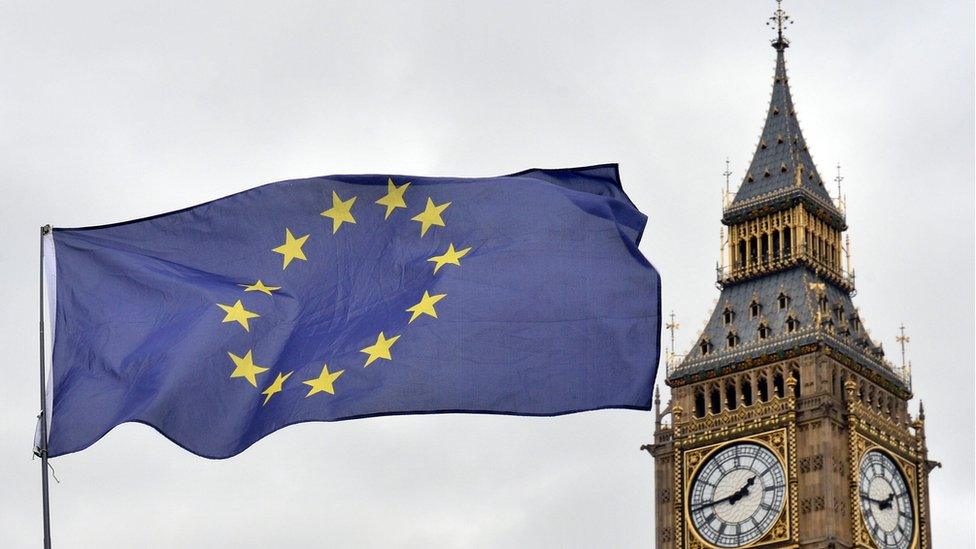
column 837, row 326
column 781, row 151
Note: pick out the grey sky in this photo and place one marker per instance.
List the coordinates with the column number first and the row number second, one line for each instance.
column 111, row 111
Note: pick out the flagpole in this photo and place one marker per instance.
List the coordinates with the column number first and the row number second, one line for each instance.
column 43, row 444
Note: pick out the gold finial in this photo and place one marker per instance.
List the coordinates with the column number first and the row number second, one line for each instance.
column 779, row 20
column 798, row 175
column 902, row 339
column 821, row 290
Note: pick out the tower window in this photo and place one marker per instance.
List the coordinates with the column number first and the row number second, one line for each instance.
column 755, row 308
column 784, row 301
column 855, row 322
column 762, row 387
column 746, row 388
column 792, row 324
column 732, row 339
column 778, row 384
column 715, row 397
column 705, row 346
column 823, row 304
column 700, row 402
column 839, row 313
column 764, row 331
column 730, row 400
column 728, row 315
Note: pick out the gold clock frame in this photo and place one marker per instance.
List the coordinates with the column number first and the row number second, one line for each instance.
column 860, row 446
column 782, row 443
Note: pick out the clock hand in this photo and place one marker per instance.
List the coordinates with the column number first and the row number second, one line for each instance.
column 886, row 504
column 743, row 492
column 731, row 498
column 882, row 503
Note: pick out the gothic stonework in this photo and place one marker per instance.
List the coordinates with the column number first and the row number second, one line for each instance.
column 788, row 427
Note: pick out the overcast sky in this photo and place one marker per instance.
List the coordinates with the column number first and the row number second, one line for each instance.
column 112, row 111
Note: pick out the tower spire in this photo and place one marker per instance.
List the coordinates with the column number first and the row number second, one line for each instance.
column 779, row 20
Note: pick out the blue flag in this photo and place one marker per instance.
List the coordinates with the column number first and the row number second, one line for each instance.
column 344, row 297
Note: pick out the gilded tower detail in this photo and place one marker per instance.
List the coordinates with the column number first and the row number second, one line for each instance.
column 787, row 427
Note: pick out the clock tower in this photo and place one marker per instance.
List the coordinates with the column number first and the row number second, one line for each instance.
column 787, row 426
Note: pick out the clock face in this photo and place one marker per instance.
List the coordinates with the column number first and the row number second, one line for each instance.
column 886, row 504
column 737, row 495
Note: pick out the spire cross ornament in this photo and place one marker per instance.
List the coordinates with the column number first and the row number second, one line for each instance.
column 671, row 327
column 902, row 339
column 727, row 173
column 781, row 19
column 838, row 179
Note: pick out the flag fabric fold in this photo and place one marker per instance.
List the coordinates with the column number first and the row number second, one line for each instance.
column 344, row 297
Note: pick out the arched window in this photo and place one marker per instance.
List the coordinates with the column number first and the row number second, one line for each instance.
column 741, row 260
column 753, row 251
column 778, row 384
column 755, row 308
column 796, row 386
column 783, row 300
column 716, row 400
column 746, row 388
column 775, row 244
column 762, row 386
column 730, row 396
column 728, row 315
column 764, row 248
column 787, row 243
column 700, row 402
column 764, row 331
column 732, row 339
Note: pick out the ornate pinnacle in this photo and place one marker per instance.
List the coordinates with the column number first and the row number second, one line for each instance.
column 779, row 20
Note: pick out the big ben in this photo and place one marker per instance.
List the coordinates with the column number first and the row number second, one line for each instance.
column 787, row 426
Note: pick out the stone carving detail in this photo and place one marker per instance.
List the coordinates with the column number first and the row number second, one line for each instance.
column 809, row 505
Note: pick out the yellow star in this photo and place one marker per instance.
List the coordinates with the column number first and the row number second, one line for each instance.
column 394, row 197
column 380, row 349
column 237, row 313
column 246, row 368
column 323, row 382
column 430, row 216
column 291, row 249
column 275, row 386
column 426, row 306
column 451, row 256
column 260, row 287
column 340, row 212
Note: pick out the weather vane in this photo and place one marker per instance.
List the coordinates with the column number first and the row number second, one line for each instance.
column 780, row 19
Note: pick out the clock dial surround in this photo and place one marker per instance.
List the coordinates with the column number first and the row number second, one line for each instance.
column 737, row 495
column 886, row 502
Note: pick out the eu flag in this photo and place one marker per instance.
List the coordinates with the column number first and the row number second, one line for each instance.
column 350, row 296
